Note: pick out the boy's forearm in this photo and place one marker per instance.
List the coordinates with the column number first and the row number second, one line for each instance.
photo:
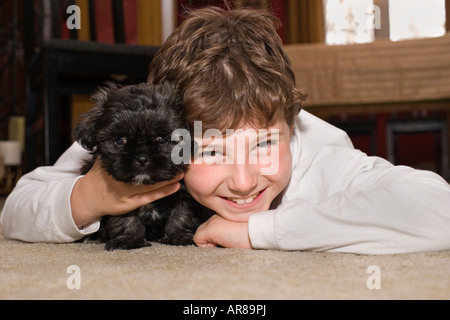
column 40, row 212
column 38, row 209
column 80, row 211
column 405, row 211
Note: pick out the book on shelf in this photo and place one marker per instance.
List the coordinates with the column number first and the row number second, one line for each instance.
column 144, row 22
column 149, row 22
column 104, row 21
column 130, row 27
column 119, row 28
column 84, row 33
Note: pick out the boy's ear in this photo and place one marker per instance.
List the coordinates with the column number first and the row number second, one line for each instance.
column 85, row 130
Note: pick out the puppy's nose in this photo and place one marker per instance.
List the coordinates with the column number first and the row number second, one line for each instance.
column 142, row 159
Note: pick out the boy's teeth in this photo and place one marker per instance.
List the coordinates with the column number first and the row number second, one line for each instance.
column 244, row 201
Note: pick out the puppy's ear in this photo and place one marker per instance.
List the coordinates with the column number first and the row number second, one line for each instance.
column 85, row 130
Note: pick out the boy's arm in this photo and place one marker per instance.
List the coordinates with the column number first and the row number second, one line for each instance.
column 56, row 204
column 38, row 209
column 383, row 209
column 218, row 231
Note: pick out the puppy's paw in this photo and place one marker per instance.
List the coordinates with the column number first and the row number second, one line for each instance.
column 120, row 244
column 91, row 239
column 184, row 240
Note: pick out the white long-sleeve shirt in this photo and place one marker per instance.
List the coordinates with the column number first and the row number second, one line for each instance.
column 338, row 199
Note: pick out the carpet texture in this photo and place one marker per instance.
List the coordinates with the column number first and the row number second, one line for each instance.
column 45, row 271
column 40, row 271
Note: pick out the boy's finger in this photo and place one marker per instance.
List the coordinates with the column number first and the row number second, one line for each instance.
column 141, row 189
column 156, row 194
column 200, row 238
column 206, row 245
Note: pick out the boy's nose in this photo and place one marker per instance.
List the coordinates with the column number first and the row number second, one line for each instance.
column 243, row 179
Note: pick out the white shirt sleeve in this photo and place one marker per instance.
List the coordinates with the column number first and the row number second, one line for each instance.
column 38, row 209
column 341, row 200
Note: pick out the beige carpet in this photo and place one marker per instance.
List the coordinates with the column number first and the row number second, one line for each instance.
column 40, row 271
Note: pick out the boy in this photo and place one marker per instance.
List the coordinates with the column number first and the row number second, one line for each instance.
column 233, row 73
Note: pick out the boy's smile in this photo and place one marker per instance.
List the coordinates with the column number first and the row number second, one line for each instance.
column 244, row 202
column 236, row 189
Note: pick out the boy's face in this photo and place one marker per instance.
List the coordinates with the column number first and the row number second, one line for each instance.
column 236, row 184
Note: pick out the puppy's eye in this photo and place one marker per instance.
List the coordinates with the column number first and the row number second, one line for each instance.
column 120, row 141
column 162, row 140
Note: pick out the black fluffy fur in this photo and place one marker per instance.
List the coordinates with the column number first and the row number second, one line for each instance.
column 129, row 130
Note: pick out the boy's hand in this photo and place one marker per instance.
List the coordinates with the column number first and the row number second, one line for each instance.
column 98, row 194
column 218, row 231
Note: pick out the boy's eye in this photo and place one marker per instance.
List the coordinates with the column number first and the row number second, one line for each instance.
column 120, row 141
column 210, row 153
column 265, row 144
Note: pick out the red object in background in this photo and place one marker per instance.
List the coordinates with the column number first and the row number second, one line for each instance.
column 419, row 150
column 279, row 10
column 362, row 142
column 104, row 21
column 130, row 21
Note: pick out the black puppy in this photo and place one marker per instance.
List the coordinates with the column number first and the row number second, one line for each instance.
column 129, row 130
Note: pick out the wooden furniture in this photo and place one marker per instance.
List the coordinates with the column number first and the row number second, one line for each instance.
column 63, row 67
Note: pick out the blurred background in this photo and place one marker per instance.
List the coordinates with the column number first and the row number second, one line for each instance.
column 379, row 69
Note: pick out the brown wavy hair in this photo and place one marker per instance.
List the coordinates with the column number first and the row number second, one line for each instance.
column 231, row 69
